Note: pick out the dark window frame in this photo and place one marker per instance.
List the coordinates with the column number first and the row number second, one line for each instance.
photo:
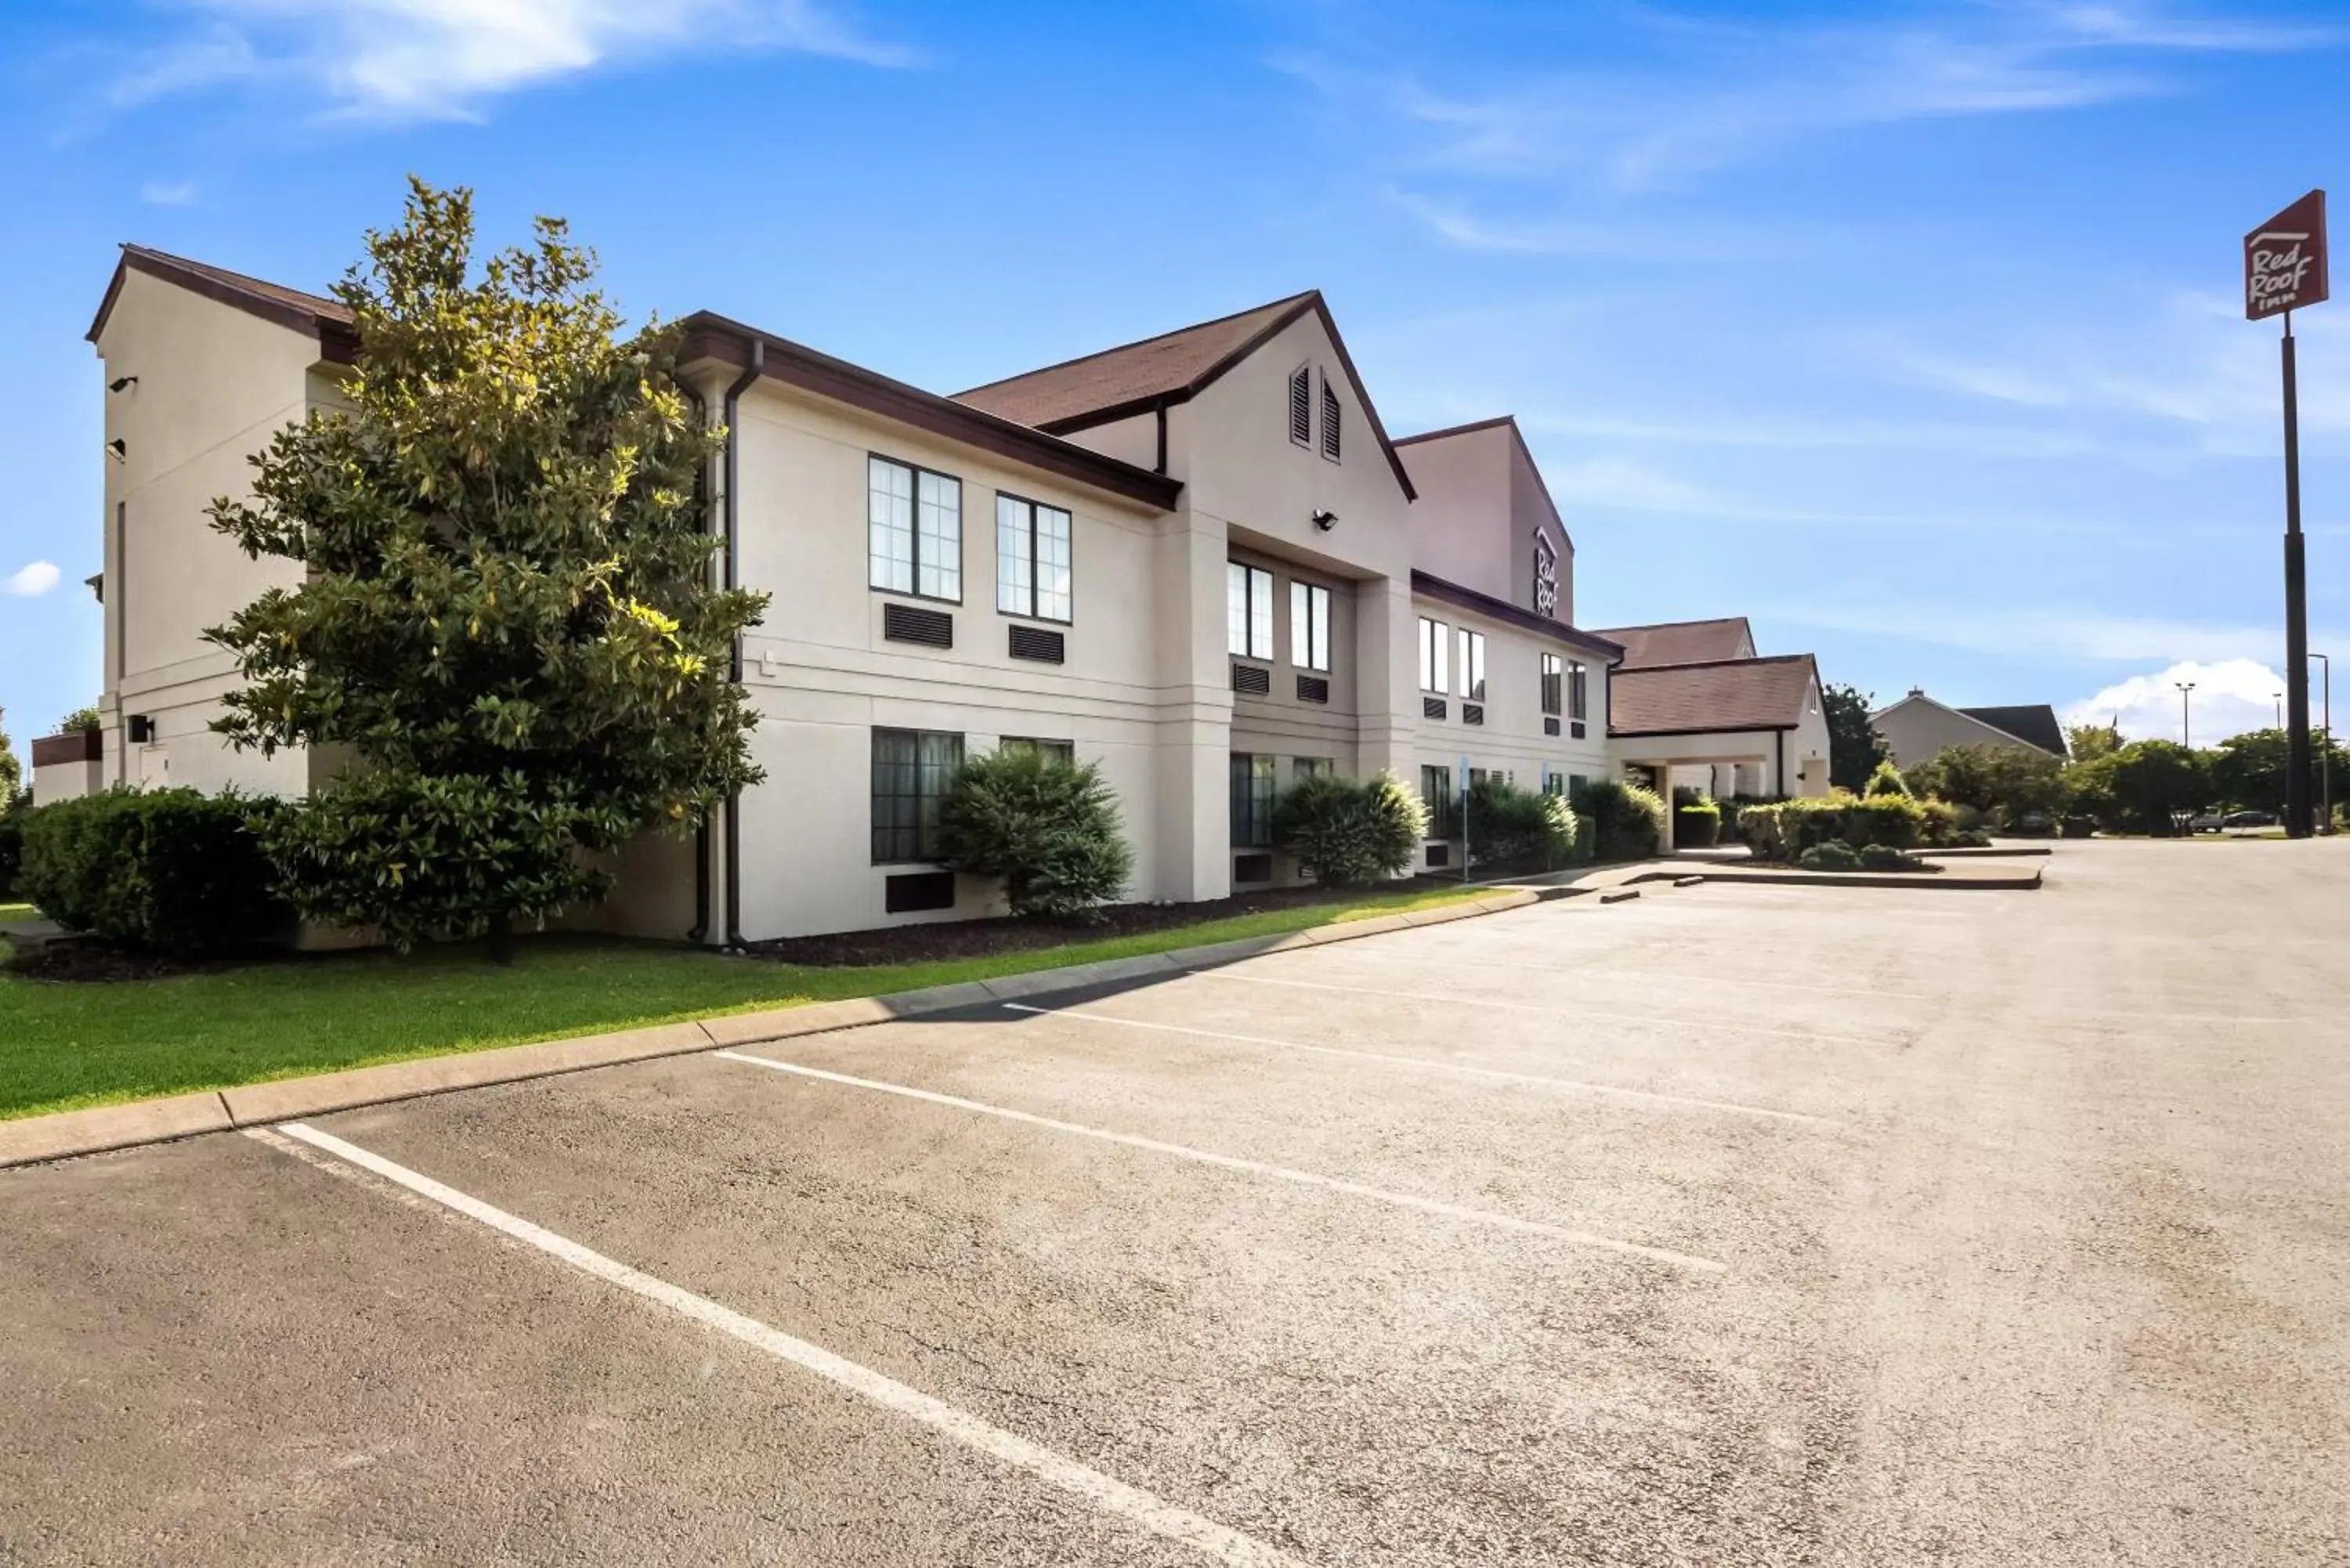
column 914, row 534
column 1472, row 665
column 1252, row 798
column 1248, row 612
column 1578, row 690
column 1553, row 677
column 1036, row 587
column 1301, row 586
column 1435, row 655
column 931, row 781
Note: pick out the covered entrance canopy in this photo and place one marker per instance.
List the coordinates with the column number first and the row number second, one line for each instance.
column 1731, row 726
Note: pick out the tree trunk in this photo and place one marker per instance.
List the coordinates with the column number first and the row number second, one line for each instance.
column 501, row 938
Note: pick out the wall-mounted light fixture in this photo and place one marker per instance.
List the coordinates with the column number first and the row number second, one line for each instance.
column 1325, row 521
column 118, row 448
column 120, row 383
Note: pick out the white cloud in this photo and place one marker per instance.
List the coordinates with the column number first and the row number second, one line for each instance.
column 157, row 194
column 2230, row 697
column 441, row 59
column 2056, row 632
column 33, row 581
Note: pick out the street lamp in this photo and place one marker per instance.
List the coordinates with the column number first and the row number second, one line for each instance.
column 2186, row 735
column 2280, row 705
column 2325, row 754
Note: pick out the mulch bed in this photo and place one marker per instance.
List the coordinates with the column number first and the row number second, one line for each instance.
column 981, row 939
column 81, row 959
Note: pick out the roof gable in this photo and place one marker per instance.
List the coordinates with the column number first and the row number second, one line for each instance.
column 1715, row 696
column 1522, row 454
column 2033, row 724
column 1683, row 641
column 1163, row 371
column 316, row 316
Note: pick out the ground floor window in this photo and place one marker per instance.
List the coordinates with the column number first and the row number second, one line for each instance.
column 1304, row 768
column 1062, row 752
column 912, row 772
column 1253, row 778
column 1436, row 793
column 1554, row 781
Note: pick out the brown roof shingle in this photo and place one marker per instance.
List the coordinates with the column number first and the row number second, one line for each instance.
column 1714, row 696
column 1681, row 641
column 304, row 311
column 1179, row 361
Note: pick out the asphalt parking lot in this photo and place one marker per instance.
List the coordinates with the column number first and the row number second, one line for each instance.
column 1733, row 1225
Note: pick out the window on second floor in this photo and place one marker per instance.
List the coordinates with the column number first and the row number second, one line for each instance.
column 913, row 530
column 1578, row 692
column 1472, row 665
column 1552, row 676
column 1309, row 626
column 1435, row 656
column 1032, row 559
column 1248, row 592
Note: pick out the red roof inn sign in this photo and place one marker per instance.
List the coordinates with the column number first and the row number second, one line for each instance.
column 2284, row 259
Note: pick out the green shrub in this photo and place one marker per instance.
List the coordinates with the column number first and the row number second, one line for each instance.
column 2071, row 827
column 1735, row 807
column 1697, row 826
column 1896, row 821
column 1513, row 826
column 2005, row 782
column 172, row 870
column 1886, row 780
column 1629, row 820
column 1784, row 830
column 12, row 849
column 80, row 722
column 1830, row 855
column 1049, row 828
column 1939, row 824
column 1884, row 858
column 1971, row 838
column 1343, row 833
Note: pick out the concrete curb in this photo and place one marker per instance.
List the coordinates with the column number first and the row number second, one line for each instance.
column 1979, row 852
column 1618, row 895
column 64, row 1135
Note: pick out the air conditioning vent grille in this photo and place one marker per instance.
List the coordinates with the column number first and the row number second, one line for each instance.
column 1432, row 708
column 914, row 891
column 1576, row 730
column 908, row 623
column 1550, row 726
column 1472, row 712
column 1252, row 680
column 1039, row 643
column 1312, row 689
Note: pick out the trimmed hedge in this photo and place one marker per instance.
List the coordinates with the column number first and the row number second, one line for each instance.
column 1697, row 826
column 1049, row 828
column 1513, row 826
column 172, row 870
column 1784, row 830
column 1830, row 855
column 1629, row 819
column 12, row 848
column 1882, row 857
column 1345, row 833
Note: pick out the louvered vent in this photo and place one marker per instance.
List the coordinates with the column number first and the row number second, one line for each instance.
column 1252, row 867
column 1472, row 712
column 904, row 623
column 1301, row 406
column 1329, row 421
column 1576, row 730
column 1432, row 707
column 1550, row 726
column 1249, row 680
column 1312, row 689
column 1038, row 643
column 1439, row 856
column 918, row 890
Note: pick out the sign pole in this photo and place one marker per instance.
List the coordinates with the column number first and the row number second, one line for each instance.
column 2297, row 820
column 2284, row 270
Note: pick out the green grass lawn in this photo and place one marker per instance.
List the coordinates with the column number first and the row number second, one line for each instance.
column 63, row 1047
column 16, row 911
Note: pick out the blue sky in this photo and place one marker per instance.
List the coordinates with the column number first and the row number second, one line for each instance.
column 1909, row 330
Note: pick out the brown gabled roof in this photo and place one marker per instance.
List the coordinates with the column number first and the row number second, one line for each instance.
column 1709, row 697
column 1681, row 641
column 327, row 320
column 1467, row 598
column 2033, row 724
column 1163, row 371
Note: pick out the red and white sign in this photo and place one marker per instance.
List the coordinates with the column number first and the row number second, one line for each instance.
column 2284, row 259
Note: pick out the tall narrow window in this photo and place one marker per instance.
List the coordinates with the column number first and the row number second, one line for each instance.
column 911, row 771
column 1329, row 420
column 1062, row 752
column 1578, row 692
column 1309, row 626
column 1436, row 793
column 1032, row 559
column 1301, row 406
column 913, row 530
column 1248, row 609
column 1550, row 665
column 1472, row 665
column 1435, row 655
column 1253, row 778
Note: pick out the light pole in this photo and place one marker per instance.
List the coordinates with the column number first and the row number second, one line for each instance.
column 2280, row 705
column 2186, row 733
column 2325, row 747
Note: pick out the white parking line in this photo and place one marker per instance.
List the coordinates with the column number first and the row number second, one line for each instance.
column 1562, row 1010
column 1611, row 973
column 1234, row 1162
column 1131, row 1503
column 1499, row 1074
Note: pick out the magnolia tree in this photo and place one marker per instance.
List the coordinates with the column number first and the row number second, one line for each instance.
column 504, row 633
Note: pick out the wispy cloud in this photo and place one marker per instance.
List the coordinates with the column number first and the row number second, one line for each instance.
column 158, row 194
column 446, row 59
column 2052, row 631
column 32, row 581
column 2230, row 696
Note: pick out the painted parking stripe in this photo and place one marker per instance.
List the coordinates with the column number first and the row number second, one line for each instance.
column 1565, row 1011
column 1218, row 1542
column 1499, row 1074
column 1250, row 1167
column 1668, row 976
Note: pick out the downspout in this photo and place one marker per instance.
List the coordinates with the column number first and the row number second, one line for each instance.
column 1161, row 466
column 734, row 662
column 700, row 932
column 1779, row 763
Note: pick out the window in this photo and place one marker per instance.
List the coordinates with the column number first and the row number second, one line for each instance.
column 1309, row 626
column 1304, row 768
column 1301, row 406
column 1551, row 668
column 912, row 770
column 1062, row 752
column 1249, row 619
column 1329, row 420
column 1578, row 692
column 1435, row 647
column 1032, row 559
column 913, row 530
column 1252, row 786
column 1472, row 665
column 1554, row 781
column 1436, row 793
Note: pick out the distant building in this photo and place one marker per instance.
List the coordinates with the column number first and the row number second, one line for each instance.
column 1692, row 705
column 1918, row 728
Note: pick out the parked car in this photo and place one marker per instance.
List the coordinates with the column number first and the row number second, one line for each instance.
column 2250, row 819
column 2206, row 822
